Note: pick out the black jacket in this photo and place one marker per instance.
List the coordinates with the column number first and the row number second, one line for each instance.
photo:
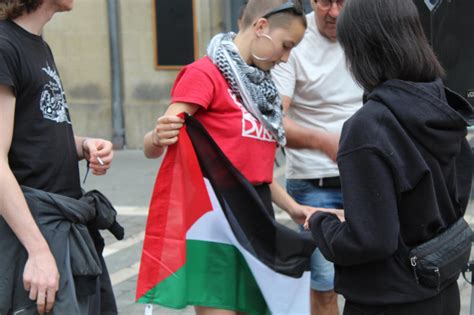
column 406, row 170
column 70, row 228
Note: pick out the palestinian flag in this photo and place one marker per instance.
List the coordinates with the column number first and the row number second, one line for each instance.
column 210, row 241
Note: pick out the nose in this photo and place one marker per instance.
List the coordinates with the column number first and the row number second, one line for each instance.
column 334, row 10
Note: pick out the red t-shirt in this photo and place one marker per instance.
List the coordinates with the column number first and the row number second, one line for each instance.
column 243, row 139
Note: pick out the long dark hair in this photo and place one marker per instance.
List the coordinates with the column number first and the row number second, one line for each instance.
column 384, row 39
column 11, row 9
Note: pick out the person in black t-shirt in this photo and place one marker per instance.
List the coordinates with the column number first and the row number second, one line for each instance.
column 37, row 145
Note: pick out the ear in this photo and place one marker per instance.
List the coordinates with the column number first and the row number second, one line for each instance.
column 260, row 25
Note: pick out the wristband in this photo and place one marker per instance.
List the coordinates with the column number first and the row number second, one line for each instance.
column 82, row 147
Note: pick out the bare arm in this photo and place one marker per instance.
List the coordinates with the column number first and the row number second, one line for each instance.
column 281, row 198
column 41, row 275
column 299, row 213
column 299, row 137
column 166, row 130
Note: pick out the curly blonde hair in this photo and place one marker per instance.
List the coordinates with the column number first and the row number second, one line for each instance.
column 11, row 9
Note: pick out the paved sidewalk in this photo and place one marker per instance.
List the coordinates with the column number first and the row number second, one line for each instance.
column 129, row 184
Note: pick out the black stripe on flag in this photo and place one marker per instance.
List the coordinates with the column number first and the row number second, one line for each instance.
column 278, row 247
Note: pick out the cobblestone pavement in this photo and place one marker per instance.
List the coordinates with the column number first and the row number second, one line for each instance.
column 128, row 185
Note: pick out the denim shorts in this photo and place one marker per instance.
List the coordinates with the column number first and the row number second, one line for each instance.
column 306, row 192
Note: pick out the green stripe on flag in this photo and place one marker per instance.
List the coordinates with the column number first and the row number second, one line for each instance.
column 227, row 283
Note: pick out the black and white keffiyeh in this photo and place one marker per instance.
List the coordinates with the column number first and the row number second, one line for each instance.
column 255, row 87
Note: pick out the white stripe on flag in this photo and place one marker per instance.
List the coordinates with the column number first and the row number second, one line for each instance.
column 284, row 295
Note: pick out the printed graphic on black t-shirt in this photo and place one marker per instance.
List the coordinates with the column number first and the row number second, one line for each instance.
column 53, row 101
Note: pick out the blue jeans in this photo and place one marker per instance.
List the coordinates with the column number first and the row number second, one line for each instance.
column 306, row 192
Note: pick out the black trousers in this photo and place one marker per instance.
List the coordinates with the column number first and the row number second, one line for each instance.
column 446, row 303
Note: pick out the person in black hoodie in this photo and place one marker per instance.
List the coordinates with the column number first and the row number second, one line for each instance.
column 404, row 162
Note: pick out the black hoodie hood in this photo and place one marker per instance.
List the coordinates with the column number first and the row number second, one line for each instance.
column 422, row 109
